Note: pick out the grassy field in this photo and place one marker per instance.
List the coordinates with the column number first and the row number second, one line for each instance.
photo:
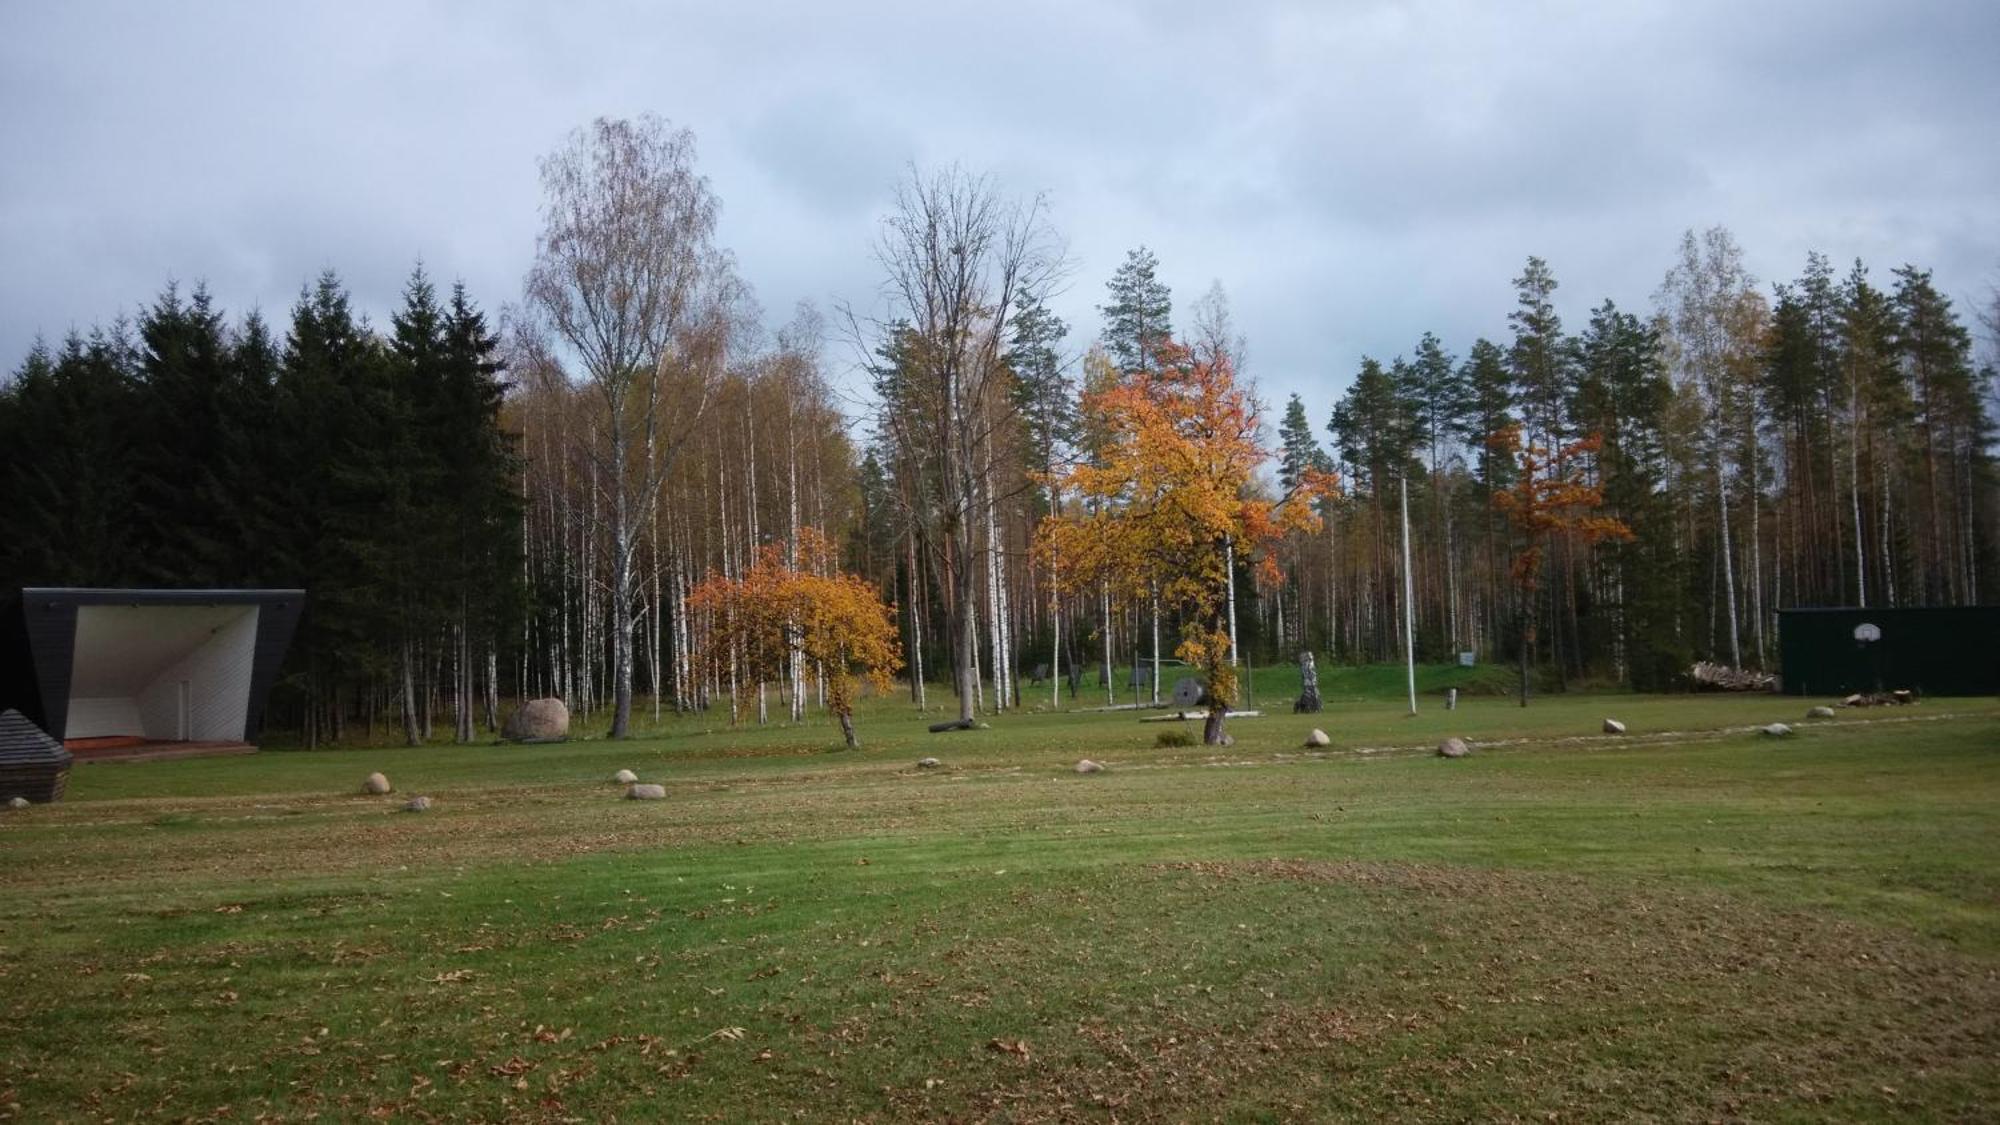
column 1688, row 922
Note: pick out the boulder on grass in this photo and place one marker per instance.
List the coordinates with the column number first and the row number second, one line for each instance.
column 928, row 763
column 538, row 720
column 1318, row 738
column 1613, row 726
column 377, row 784
column 1775, row 730
column 1820, row 713
column 17, row 802
column 417, row 804
column 1088, row 766
column 1453, row 748
column 624, row 777
column 646, row 793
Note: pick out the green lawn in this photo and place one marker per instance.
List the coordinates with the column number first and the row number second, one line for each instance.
column 1688, row 922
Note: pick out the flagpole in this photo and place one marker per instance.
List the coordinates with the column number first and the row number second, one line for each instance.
column 1409, row 606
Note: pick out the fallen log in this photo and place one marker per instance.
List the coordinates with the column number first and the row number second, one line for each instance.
column 1184, row 716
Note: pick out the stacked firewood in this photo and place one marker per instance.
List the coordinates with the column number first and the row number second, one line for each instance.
column 1721, row 677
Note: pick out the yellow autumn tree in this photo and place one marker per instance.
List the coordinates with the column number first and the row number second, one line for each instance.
column 1168, row 495
column 1551, row 498
column 791, row 600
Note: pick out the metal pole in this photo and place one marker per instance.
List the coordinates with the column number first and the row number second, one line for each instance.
column 1409, row 607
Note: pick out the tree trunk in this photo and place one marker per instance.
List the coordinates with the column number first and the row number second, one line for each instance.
column 1212, row 733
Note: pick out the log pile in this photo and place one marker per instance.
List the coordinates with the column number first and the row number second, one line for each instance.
column 1721, row 677
column 1880, row 699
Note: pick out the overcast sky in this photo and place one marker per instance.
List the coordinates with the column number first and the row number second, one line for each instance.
column 1352, row 173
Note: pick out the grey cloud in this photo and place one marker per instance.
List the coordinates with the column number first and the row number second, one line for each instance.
column 1353, row 173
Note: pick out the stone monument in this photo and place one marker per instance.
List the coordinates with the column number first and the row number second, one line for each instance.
column 1308, row 686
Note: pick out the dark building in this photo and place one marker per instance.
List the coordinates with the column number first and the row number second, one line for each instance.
column 1947, row 650
column 103, row 668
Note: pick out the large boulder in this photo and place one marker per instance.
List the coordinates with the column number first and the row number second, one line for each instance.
column 1613, row 726
column 646, row 793
column 928, row 763
column 1453, row 748
column 1775, row 730
column 624, row 777
column 376, row 783
column 538, row 720
column 1088, row 766
column 1820, row 713
column 17, row 802
column 1318, row 738
column 417, row 804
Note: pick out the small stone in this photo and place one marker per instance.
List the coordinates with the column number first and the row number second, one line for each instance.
column 1820, row 713
column 624, row 777
column 1613, row 726
column 377, row 784
column 928, row 763
column 1088, row 766
column 417, row 804
column 1453, row 748
column 1318, row 738
column 17, row 802
column 646, row 793
column 1776, row 730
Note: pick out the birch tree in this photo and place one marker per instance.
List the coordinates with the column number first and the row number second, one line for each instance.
column 958, row 258
column 626, row 272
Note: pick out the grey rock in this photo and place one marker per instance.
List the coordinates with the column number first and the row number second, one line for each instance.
column 1453, row 748
column 1820, row 713
column 1088, row 766
column 1613, row 726
column 538, row 720
column 17, row 802
column 417, row 804
column 928, row 763
column 1776, row 730
column 377, row 784
column 624, row 777
column 646, row 793
column 1318, row 738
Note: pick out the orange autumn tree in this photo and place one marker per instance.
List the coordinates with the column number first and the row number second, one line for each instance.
column 1551, row 497
column 1168, row 491
column 792, row 601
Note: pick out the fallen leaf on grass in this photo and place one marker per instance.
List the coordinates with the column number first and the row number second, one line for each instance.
column 512, row 1068
column 452, row 977
column 1017, row 1047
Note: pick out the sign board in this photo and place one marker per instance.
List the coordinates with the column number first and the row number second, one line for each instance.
column 1189, row 692
column 1465, row 659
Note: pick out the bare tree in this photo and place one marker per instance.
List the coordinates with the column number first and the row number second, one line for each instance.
column 1714, row 315
column 958, row 256
column 628, row 277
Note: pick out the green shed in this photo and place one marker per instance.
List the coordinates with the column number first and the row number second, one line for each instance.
column 1947, row 650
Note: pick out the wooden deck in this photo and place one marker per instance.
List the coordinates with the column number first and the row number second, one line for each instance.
column 139, row 750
